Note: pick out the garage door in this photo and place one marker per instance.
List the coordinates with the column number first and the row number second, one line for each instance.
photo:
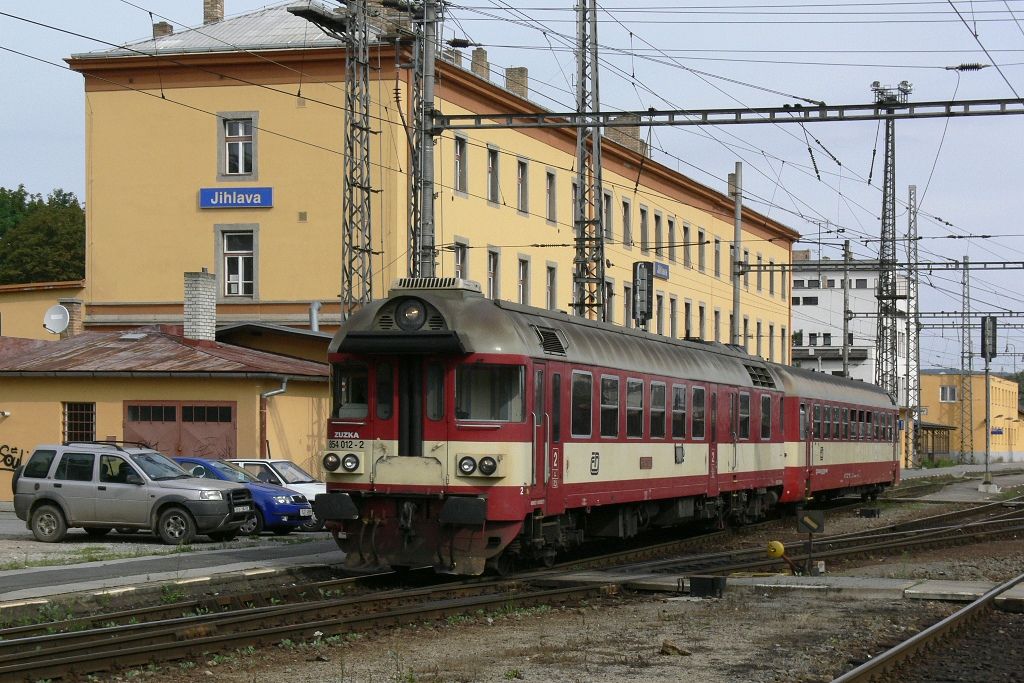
column 202, row 428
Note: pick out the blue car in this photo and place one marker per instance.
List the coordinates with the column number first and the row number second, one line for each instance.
column 278, row 509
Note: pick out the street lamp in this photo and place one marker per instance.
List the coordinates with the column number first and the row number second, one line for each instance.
column 1007, row 350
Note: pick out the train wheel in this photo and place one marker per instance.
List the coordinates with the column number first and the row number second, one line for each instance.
column 502, row 565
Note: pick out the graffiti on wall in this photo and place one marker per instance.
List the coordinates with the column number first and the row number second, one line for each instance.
column 10, row 457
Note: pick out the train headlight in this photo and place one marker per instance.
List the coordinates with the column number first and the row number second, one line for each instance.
column 411, row 314
column 467, row 466
column 488, row 465
column 332, row 462
column 350, row 463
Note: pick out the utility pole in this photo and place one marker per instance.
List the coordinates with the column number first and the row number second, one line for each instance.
column 988, row 352
column 846, row 307
column 966, row 371
column 356, row 230
column 886, row 337
column 421, row 252
column 736, row 191
column 913, row 330
column 588, row 211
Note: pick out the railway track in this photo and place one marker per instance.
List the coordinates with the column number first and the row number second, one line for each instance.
column 946, row 651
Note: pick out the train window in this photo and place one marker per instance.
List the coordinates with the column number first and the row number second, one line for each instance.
column 610, row 406
column 861, row 427
column 782, row 418
column 817, row 421
column 657, row 410
column 835, row 422
column 803, row 421
column 385, row 391
column 826, row 422
column 634, row 408
column 435, row 391
column 582, row 396
column 698, row 412
column 869, row 426
column 846, row 423
column 556, row 407
column 678, row 412
column 744, row 427
column 351, row 389
column 766, row 417
column 490, row 392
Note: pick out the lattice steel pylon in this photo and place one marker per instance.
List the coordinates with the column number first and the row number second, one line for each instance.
column 886, row 375
column 356, row 248
column 589, row 295
column 966, row 372
column 422, row 249
column 912, row 430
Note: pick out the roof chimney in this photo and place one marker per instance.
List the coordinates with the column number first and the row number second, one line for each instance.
column 627, row 136
column 480, row 66
column 201, row 306
column 213, row 11
column 76, row 317
column 517, row 81
column 161, row 29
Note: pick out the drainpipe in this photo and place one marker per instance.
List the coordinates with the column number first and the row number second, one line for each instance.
column 314, row 316
column 263, row 415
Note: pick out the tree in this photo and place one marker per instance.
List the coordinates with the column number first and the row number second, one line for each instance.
column 41, row 241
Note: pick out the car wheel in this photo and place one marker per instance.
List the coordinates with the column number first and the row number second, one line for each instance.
column 253, row 525
column 48, row 524
column 283, row 530
column 126, row 530
column 176, row 527
column 97, row 531
column 223, row 536
column 312, row 524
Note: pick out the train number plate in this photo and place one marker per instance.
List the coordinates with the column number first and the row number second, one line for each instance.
column 345, row 444
column 306, row 512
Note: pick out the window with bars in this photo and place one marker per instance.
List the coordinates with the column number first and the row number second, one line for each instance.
column 79, row 421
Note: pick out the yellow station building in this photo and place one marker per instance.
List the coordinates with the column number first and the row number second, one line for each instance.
column 942, row 396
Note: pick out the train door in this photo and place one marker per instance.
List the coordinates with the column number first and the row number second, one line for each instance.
column 712, row 437
column 540, row 462
column 554, row 472
column 433, row 409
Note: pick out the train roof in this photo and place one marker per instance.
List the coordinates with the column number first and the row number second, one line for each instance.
column 463, row 320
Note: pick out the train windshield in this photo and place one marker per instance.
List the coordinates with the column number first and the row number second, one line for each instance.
column 490, row 392
column 351, row 391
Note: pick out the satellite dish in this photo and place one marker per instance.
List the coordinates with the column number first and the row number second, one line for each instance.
column 56, row 319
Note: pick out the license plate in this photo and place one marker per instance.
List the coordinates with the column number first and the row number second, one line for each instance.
column 345, row 444
column 305, row 512
column 241, row 508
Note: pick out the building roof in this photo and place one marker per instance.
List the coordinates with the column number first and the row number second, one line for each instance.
column 269, row 28
column 37, row 286
column 157, row 351
column 287, row 330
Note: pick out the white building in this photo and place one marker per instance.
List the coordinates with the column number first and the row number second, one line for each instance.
column 818, row 318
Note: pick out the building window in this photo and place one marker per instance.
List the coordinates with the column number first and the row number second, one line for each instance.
column 796, row 301
column 550, row 293
column 550, row 197
column 798, row 284
column 701, row 251
column 701, row 320
column 673, row 326
column 627, row 224
column 718, row 325
column 79, row 421
column 760, row 262
column 746, row 269
column 609, row 300
column 746, row 334
column 460, row 251
column 814, row 284
column 860, row 283
column 461, row 172
column 492, row 274
column 812, row 339
column 522, row 186
column 493, row 190
column 658, row 236
column 239, row 256
column 947, row 393
column 757, row 344
column 771, row 343
column 808, row 301
column 785, row 345
column 687, row 322
column 826, row 339
column 783, row 281
column 718, row 257
column 238, row 146
column 830, row 283
column 659, row 307
column 644, row 237
column 687, row 247
column 771, row 278
column 606, row 215
column 523, row 282
column 671, row 240
column 627, row 306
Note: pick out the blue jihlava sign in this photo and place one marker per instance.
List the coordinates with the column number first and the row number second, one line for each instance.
column 660, row 271
column 236, row 198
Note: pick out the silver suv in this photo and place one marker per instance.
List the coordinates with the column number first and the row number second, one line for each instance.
column 101, row 486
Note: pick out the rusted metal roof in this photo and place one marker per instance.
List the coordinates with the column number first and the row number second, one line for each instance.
column 12, row 347
column 149, row 351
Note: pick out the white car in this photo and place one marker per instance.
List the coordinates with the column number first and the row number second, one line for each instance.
column 286, row 473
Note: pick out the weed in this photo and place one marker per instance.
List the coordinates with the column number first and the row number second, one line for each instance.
column 456, row 619
column 248, row 650
column 170, row 594
column 187, row 665
column 287, row 644
column 513, row 675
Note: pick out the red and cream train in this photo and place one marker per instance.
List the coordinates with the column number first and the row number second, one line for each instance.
column 468, row 433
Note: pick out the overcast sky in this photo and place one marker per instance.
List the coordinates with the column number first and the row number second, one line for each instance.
column 968, row 171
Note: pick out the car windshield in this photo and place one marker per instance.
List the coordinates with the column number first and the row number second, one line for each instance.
column 159, row 467
column 232, row 473
column 293, row 474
